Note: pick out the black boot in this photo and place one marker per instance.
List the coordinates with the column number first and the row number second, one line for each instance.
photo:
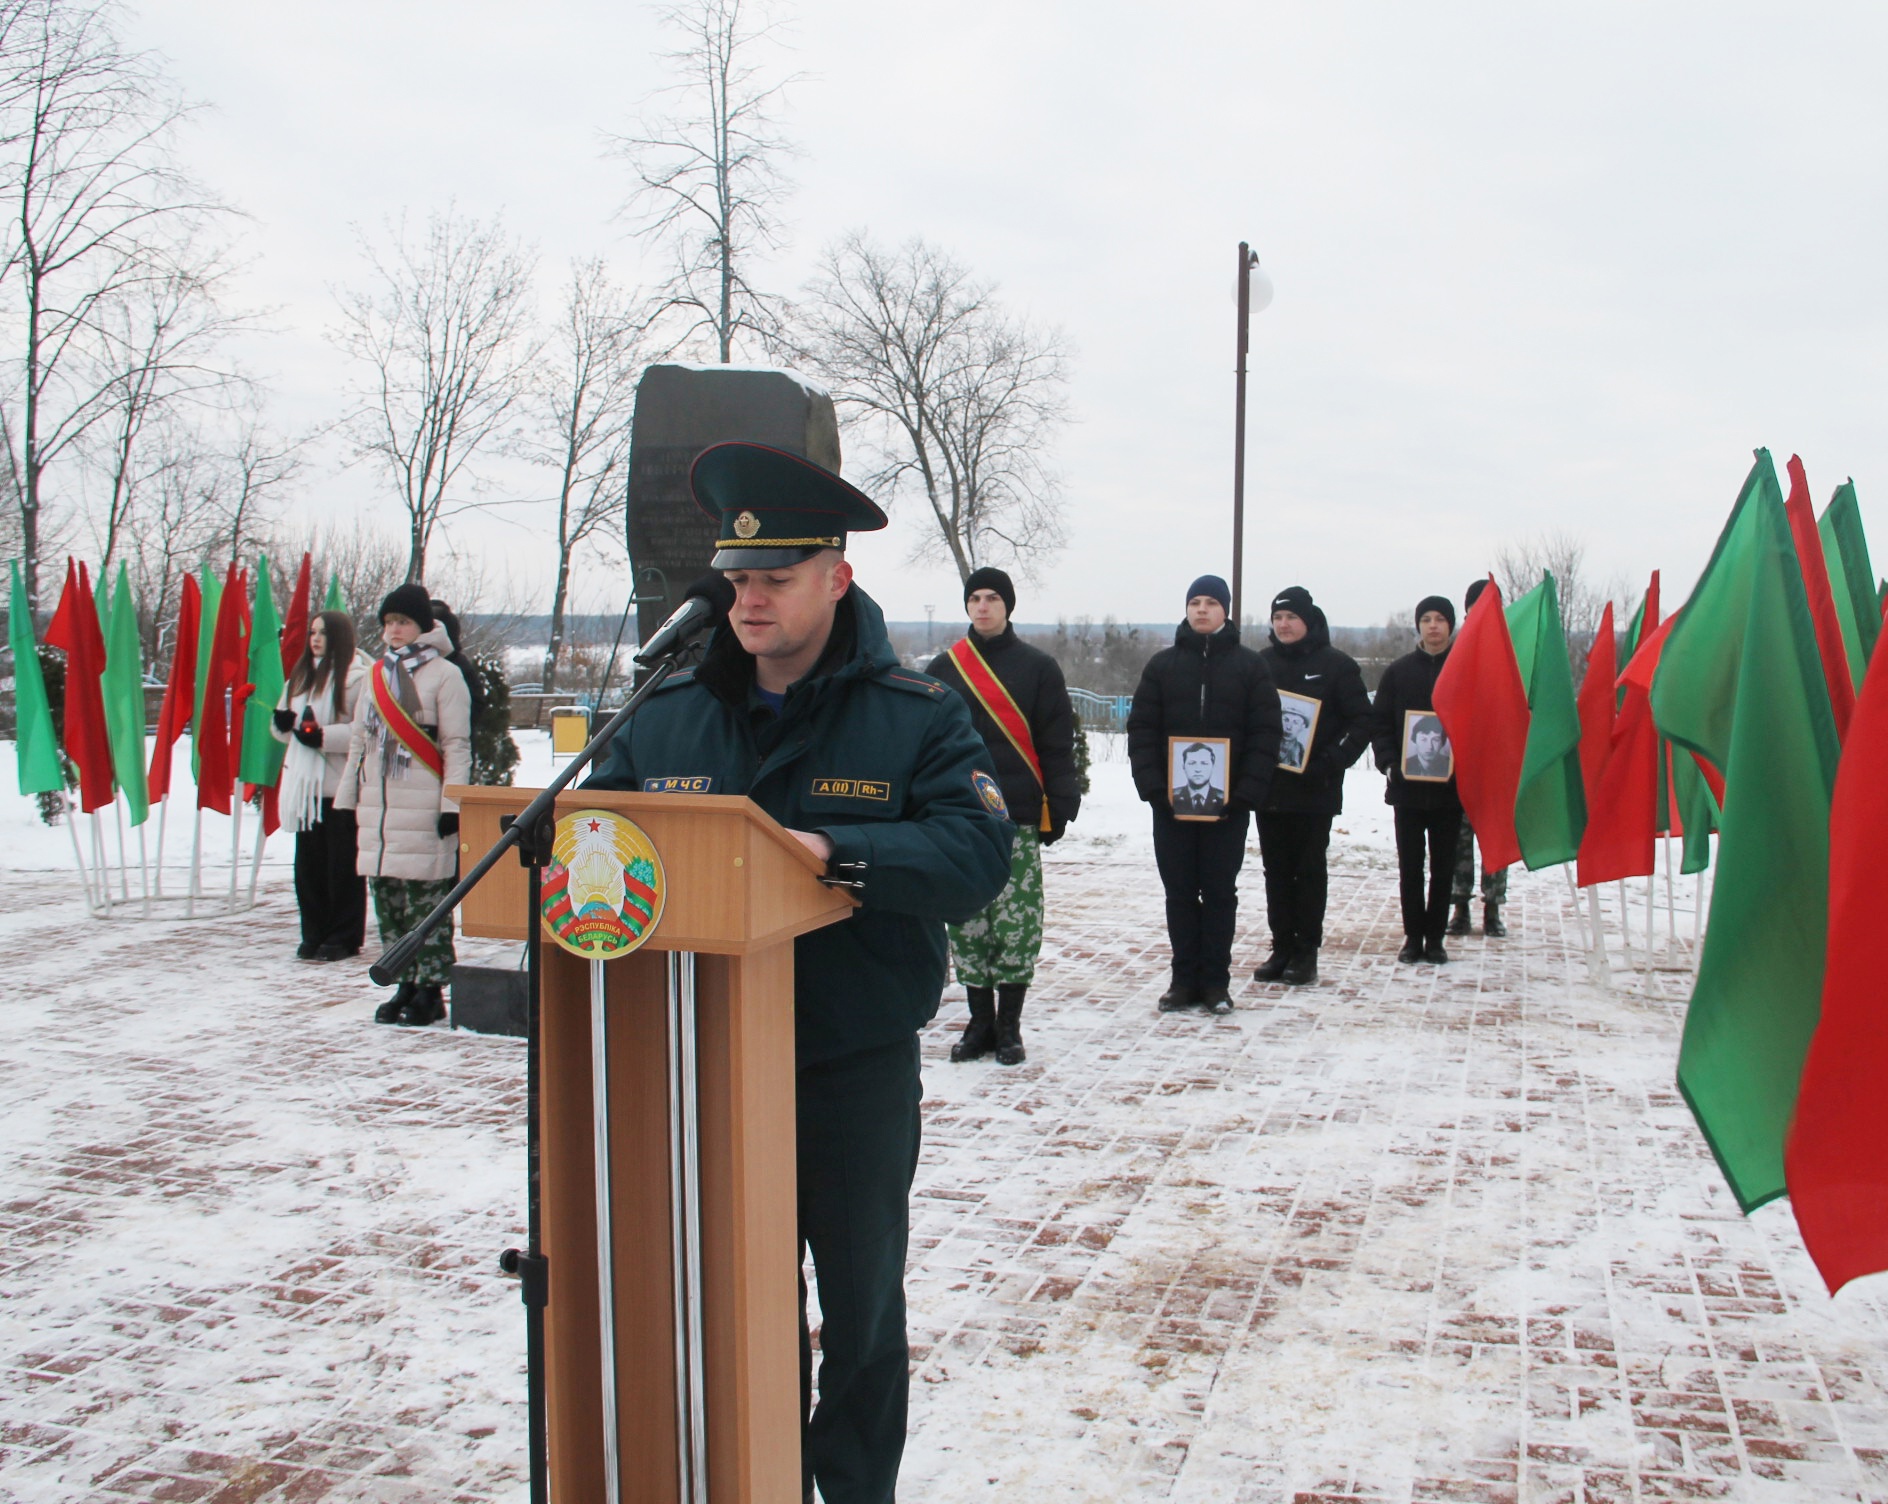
column 1433, row 952
column 1274, row 965
column 1412, row 949
column 979, row 1036
column 427, row 1006
column 1459, row 921
column 1492, row 926
column 1303, row 971
column 1009, row 1026
column 389, row 1012
column 1178, row 997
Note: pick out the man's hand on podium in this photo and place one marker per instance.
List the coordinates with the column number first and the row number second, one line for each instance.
column 821, row 846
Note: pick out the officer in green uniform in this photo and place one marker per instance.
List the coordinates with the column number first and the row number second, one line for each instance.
column 800, row 704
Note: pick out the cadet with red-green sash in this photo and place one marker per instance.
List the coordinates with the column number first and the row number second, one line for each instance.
column 1021, row 708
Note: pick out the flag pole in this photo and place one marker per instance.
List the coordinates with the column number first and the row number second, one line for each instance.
column 100, row 864
column 124, row 862
column 195, row 889
column 1671, row 902
column 144, row 870
column 1599, row 937
column 72, row 829
column 1651, row 917
column 163, row 814
column 1625, row 923
column 235, row 843
column 255, row 861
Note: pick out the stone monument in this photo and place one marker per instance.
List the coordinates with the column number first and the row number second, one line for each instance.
column 680, row 411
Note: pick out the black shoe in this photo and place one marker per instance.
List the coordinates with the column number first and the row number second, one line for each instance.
column 1492, row 926
column 307, row 951
column 1433, row 952
column 1412, row 950
column 1177, row 997
column 1218, row 1000
column 334, row 950
column 979, row 1036
column 1274, row 966
column 1303, row 971
column 1458, row 921
column 389, row 1012
column 427, row 1006
column 1009, row 1026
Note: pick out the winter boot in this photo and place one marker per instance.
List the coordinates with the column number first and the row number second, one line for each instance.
column 1275, row 965
column 1492, row 926
column 979, row 1036
column 427, row 1006
column 389, row 1012
column 1009, row 1026
column 1303, row 971
column 1177, row 997
column 306, row 951
column 1217, row 999
column 1433, row 952
column 1458, row 921
column 1412, row 949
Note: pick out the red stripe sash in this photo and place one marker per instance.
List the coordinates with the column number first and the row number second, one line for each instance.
column 1003, row 709
column 412, row 735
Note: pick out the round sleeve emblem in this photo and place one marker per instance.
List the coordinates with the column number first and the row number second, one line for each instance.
column 746, row 525
column 990, row 794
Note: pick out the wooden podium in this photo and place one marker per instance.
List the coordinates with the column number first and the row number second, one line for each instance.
column 738, row 890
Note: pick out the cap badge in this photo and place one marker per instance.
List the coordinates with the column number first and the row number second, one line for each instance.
column 746, row 525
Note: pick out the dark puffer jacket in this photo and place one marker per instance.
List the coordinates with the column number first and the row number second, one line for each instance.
column 1035, row 683
column 1407, row 684
column 1313, row 668
column 1205, row 686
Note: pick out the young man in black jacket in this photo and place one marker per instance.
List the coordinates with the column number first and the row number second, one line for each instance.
column 1295, row 822
column 1020, row 706
column 1205, row 686
column 1426, row 812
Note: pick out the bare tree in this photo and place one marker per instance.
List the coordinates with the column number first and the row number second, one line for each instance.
column 95, row 206
column 582, row 401
column 1520, row 566
column 961, row 399
column 443, row 331
column 708, row 181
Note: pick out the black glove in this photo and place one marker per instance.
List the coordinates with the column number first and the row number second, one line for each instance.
column 309, row 735
column 285, row 721
column 1053, row 834
column 448, row 825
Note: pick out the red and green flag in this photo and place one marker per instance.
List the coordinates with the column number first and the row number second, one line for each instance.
column 208, row 612
column 1598, row 706
column 36, row 744
column 123, row 687
column 295, row 624
column 1845, row 547
column 1621, row 837
column 1482, row 704
column 1550, row 802
column 222, row 676
column 1740, row 683
column 1822, row 604
column 74, row 630
column 180, row 689
column 261, row 756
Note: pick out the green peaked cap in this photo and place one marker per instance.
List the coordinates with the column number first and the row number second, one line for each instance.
column 775, row 508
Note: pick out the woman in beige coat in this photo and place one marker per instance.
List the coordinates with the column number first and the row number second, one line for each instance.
column 315, row 716
column 411, row 737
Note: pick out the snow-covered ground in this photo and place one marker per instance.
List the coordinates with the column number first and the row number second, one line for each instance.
column 1414, row 1234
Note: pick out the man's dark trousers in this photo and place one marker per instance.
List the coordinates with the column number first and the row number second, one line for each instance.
column 332, row 896
column 1199, row 865
column 1437, row 829
column 1293, row 845
column 858, row 1152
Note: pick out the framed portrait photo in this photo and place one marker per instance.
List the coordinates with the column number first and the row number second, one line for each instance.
column 1199, row 772
column 1300, row 715
column 1427, row 755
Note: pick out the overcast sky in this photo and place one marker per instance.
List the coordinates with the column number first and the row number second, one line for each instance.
column 1537, row 267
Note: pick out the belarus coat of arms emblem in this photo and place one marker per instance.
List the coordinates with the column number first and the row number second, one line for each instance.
column 603, row 888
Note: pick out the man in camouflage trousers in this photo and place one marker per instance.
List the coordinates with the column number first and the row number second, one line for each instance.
column 1494, row 890
column 399, row 906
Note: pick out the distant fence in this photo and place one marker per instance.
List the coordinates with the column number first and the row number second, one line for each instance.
column 1101, row 712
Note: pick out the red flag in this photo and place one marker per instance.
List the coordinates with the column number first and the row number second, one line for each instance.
column 1621, row 837
column 1650, row 622
column 180, row 691
column 1836, row 1158
column 295, row 624
column 1598, row 706
column 74, row 629
column 1482, row 704
column 216, row 757
column 1822, row 601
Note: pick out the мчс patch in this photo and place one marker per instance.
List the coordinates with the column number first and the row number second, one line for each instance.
column 691, row 783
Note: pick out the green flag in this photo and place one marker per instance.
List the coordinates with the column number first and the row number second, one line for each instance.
column 34, row 740
column 261, row 761
column 334, row 601
column 1550, row 806
column 123, row 688
column 1741, row 682
column 1696, row 808
column 1846, row 547
column 212, row 591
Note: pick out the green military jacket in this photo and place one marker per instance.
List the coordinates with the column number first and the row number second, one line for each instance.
column 880, row 759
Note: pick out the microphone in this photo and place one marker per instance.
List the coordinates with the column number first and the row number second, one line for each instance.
column 705, row 606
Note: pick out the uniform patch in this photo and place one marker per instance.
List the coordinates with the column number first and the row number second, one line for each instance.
column 693, row 783
column 990, row 794
column 850, row 788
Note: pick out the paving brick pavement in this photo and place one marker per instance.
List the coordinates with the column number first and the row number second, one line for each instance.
column 1414, row 1234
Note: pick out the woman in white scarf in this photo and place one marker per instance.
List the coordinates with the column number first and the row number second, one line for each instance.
column 315, row 717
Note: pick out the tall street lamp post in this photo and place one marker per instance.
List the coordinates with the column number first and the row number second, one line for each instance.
column 1254, row 294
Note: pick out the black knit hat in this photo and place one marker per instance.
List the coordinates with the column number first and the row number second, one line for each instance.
column 1213, row 585
column 411, row 601
column 1295, row 599
column 1436, row 603
column 1473, row 593
column 992, row 579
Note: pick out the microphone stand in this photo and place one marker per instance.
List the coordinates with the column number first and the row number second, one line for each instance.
column 531, row 833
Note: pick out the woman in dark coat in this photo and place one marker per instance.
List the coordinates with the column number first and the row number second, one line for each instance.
column 1295, row 821
column 1205, row 686
column 1428, row 813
